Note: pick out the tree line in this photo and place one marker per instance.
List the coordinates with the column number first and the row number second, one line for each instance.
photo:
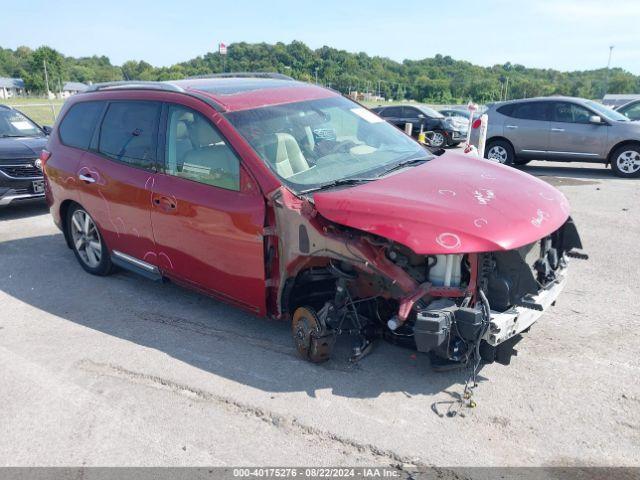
column 440, row 79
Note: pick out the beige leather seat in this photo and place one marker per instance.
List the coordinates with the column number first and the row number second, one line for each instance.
column 210, row 152
column 287, row 158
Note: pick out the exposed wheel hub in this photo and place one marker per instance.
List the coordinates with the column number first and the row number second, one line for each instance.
column 310, row 335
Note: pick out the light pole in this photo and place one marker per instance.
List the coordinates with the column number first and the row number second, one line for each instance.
column 606, row 78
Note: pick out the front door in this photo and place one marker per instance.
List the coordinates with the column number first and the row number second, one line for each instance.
column 116, row 176
column 207, row 213
column 572, row 135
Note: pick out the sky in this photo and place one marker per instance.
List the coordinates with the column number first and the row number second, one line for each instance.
column 561, row 34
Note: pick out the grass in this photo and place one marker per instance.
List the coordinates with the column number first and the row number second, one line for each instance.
column 40, row 110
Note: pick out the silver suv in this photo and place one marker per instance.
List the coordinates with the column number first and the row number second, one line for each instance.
column 563, row 129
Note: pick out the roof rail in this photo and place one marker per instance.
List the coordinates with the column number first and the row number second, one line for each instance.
column 274, row 75
column 134, row 85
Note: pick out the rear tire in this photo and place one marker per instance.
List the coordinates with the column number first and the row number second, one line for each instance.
column 500, row 151
column 87, row 243
column 625, row 161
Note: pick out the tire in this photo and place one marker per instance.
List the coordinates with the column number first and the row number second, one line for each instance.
column 438, row 139
column 625, row 161
column 521, row 161
column 87, row 243
column 500, row 151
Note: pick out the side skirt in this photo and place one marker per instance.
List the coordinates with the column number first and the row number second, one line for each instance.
column 136, row 265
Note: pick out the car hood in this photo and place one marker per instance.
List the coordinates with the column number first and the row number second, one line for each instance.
column 451, row 204
column 21, row 147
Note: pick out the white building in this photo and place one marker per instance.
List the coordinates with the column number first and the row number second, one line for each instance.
column 71, row 88
column 617, row 99
column 11, row 87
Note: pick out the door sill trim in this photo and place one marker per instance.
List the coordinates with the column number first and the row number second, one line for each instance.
column 135, row 265
column 555, row 152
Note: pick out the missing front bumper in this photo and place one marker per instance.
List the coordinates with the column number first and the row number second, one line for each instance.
column 506, row 325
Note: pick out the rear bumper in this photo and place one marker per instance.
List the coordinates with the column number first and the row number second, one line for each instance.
column 506, row 325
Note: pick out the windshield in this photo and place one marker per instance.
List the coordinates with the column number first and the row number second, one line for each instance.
column 458, row 113
column 319, row 142
column 606, row 112
column 15, row 124
column 430, row 112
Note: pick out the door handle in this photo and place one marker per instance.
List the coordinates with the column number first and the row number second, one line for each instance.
column 87, row 178
column 165, row 203
column 557, row 129
column 511, row 126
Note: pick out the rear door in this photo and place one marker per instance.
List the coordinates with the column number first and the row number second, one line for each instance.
column 573, row 136
column 527, row 127
column 394, row 116
column 207, row 213
column 116, row 176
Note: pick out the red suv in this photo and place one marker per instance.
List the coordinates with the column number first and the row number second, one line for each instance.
column 291, row 201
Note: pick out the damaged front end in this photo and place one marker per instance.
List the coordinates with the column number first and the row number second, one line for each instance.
column 331, row 279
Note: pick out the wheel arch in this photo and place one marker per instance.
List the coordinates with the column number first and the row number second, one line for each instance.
column 623, row 143
column 64, row 210
column 496, row 138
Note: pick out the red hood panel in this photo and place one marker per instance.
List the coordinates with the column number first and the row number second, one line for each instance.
column 452, row 204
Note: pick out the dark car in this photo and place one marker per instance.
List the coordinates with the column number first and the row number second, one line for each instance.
column 293, row 202
column 446, row 131
column 21, row 141
column 630, row 110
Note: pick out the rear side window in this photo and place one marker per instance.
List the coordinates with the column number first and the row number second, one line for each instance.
column 79, row 123
column 526, row 111
column 392, row 112
column 129, row 133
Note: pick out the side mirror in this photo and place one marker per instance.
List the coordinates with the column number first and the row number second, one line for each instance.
column 47, row 129
column 595, row 119
column 421, row 116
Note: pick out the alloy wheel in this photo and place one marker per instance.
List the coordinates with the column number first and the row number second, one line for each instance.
column 437, row 139
column 628, row 162
column 498, row 153
column 86, row 239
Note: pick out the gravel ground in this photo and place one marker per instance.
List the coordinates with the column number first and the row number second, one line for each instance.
column 122, row 371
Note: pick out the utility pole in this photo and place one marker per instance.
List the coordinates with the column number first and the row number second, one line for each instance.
column 316, row 75
column 46, row 76
column 506, row 89
column 46, row 83
column 606, row 78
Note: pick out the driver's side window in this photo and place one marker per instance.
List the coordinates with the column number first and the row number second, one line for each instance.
column 196, row 151
column 570, row 113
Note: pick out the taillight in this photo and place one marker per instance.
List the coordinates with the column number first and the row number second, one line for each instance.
column 44, row 156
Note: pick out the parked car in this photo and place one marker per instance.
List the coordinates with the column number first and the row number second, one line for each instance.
column 630, row 110
column 291, row 201
column 456, row 113
column 21, row 141
column 447, row 132
column 563, row 129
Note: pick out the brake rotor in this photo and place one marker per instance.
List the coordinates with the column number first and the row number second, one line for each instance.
column 312, row 340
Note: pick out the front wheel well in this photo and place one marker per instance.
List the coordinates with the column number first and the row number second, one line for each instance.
column 624, row 143
column 498, row 138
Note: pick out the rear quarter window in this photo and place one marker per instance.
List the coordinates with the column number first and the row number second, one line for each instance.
column 79, row 123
